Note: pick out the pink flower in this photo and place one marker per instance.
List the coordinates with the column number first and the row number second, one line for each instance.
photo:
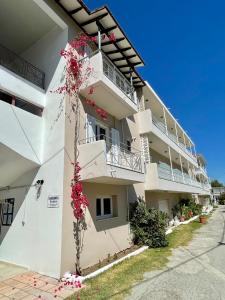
column 91, row 91
column 112, row 37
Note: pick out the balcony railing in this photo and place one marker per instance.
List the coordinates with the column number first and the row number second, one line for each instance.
column 162, row 127
column 118, row 155
column 111, row 72
column 21, row 67
column 165, row 172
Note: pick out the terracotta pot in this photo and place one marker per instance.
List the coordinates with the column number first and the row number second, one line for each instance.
column 202, row 219
column 182, row 219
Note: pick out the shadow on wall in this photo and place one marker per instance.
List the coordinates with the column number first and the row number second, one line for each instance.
column 17, row 194
column 120, row 209
column 118, row 218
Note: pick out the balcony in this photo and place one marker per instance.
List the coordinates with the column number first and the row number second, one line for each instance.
column 21, row 67
column 161, row 178
column 20, row 142
column 112, row 91
column 103, row 162
column 201, row 171
column 149, row 123
column 160, row 125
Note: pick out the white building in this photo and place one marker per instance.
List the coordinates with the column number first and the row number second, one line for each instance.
column 217, row 191
column 36, row 140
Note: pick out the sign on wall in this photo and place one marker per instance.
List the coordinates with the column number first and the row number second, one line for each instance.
column 53, row 201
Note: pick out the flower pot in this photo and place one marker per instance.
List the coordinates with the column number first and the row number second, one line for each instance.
column 202, row 219
column 182, row 219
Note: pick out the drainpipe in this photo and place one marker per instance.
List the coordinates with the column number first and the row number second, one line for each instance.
column 128, row 211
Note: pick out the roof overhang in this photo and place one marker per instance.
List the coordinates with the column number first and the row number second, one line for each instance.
column 121, row 52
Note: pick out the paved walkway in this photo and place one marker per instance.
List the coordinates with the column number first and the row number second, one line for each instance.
column 193, row 272
column 17, row 283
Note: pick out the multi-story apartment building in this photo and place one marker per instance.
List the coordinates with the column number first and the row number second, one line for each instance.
column 140, row 150
column 172, row 170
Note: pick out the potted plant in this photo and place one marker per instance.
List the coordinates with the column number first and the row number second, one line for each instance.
column 182, row 218
column 202, row 219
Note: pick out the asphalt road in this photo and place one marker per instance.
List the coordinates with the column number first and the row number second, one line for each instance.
column 193, row 272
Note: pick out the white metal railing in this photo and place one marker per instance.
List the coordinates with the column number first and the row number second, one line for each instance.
column 161, row 126
column 113, row 73
column 119, row 155
column 165, row 172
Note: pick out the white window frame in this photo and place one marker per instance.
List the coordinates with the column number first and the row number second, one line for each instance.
column 102, row 216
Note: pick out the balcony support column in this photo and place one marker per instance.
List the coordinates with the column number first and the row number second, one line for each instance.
column 171, row 164
column 182, row 170
column 176, row 132
column 195, row 152
column 184, row 141
column 131, row 78
column 189, row 171
column 99, row 40
column 190, row 148
column 165, row 120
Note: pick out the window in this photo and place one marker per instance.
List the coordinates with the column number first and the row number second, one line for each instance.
column 128, row 145
column 7, row 208
column 104, row 207
column 22, row 104
column 100, row 132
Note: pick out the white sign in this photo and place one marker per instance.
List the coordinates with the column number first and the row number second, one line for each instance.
column 53, row 201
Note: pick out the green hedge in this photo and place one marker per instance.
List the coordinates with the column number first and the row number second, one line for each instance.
column 148, row 226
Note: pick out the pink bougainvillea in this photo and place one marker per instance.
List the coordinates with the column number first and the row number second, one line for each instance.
column 77, row 72
column 79, row 200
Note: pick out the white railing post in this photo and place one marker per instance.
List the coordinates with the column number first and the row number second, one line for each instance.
column 171, row 164
column 99, row 40
column 164, row 115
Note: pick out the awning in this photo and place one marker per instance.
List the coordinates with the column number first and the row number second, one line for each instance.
column 121, row 52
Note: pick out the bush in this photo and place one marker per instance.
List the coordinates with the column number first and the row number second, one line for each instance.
column 148, row 226
column 222, row 199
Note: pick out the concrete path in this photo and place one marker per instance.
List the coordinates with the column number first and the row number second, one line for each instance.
column 193, row 272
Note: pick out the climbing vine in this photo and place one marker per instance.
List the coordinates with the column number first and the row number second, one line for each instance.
column 77, row 72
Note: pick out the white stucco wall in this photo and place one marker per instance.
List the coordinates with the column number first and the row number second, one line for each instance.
column 17, row 86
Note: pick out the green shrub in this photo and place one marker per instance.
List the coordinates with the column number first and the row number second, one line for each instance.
column 222, row 199
column 148, row 226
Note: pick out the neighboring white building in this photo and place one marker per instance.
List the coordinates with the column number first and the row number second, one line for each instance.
column 217, row 191
column 139, row 151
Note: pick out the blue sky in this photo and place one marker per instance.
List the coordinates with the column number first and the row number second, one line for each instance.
column 183, row 46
